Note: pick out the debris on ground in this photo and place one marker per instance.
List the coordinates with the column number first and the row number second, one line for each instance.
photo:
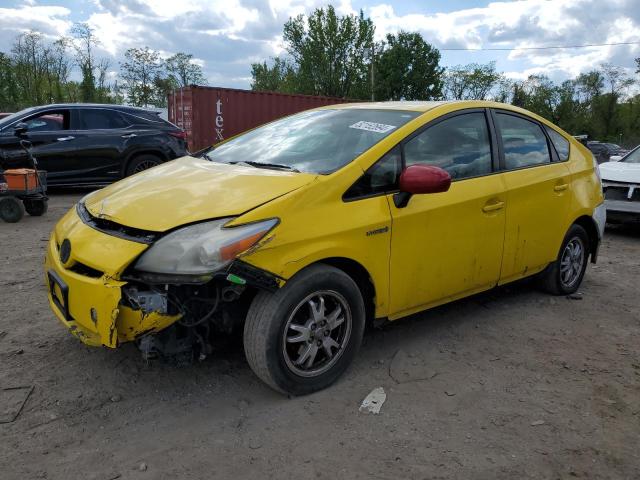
column 373, row 402
column 12, row 402
column 575, row 296
column 537, row 423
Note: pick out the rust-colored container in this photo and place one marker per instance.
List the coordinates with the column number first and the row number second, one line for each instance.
column 21, row 179
column 212, row 114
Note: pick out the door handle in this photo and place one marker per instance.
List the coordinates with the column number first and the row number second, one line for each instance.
column 492, row 207
column 129, row 135
column 561, row 188
column 64, row 139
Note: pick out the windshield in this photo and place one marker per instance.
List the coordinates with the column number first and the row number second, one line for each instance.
column 319, row 141
column 633, row 157
column 11, row 118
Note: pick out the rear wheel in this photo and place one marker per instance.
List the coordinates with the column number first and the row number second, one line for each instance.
column 36, row 208
column 565, row 275
column 301, row 338
column 11, row 209
column 142, row 162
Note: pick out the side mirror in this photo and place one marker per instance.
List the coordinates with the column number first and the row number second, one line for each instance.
column 21, row 129
column 615, row 158
column 420, row 179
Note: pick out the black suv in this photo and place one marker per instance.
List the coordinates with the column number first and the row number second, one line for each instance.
column 603, row 151
column 86, row 144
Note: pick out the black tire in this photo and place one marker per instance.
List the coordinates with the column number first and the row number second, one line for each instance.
column 36, row 208
column 270, row 313
column 141, row 163
column 11, row 209
column 551, row 279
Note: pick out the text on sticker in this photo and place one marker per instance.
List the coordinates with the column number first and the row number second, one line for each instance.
column 373, row 127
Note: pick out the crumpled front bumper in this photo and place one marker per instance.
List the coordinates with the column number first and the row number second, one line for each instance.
column 87, row 298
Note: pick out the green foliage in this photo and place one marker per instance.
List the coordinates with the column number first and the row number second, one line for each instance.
column 183, row 71
column 329, row 56
column 474, row 81
column 408, row 69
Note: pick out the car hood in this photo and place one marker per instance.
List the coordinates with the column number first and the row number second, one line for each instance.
column 189, row 190
column 620, row 172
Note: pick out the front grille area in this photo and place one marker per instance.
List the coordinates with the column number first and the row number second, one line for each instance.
column 115, row 229
column 85, row 270
column 621, row 192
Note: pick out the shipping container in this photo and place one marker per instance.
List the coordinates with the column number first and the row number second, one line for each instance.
column 211, row 114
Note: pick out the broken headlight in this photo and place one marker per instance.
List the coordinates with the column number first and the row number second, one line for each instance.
column 202, row 248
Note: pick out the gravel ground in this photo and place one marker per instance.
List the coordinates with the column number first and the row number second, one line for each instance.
column 509, row 384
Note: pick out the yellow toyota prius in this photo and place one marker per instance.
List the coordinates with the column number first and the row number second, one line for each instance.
column 299, row 232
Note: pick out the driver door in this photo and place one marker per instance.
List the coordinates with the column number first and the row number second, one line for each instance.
column 448, row 245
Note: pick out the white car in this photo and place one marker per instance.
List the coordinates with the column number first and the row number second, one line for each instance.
column 621, row 184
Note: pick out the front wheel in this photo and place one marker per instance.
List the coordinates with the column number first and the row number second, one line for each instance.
column 301, row 338
column 565, row 275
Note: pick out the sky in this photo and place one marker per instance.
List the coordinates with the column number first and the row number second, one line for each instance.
column 226, row 36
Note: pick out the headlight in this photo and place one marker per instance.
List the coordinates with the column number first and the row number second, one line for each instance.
column 201, row 248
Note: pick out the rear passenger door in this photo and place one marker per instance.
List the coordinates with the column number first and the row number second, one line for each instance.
column 102, row 137
column 538, row 187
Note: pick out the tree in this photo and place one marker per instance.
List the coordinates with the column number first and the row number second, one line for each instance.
column 140, row 71
column 184, row 71
column 85, row 43
column 408, row 69
column 329, row 53
column 471, row 82
column 280, row 77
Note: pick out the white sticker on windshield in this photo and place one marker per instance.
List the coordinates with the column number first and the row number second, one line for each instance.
column 373, row 127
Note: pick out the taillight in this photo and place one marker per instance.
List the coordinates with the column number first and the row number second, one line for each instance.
column 181, row 134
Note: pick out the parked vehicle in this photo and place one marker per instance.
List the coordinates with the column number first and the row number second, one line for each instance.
column 86, row 144
column 4, row 115
column 604, row 151
column 303, row 229
column 621, row 183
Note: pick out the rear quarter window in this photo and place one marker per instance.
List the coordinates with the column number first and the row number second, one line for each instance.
column 560, row 143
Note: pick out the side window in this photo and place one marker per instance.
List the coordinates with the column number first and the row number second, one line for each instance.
column 561, row 144
column 524, row 142
column 97, row 119
column 460, row 145
column 381, row 177
column 48, row 122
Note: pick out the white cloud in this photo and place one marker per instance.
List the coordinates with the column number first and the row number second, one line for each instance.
column 225, row 36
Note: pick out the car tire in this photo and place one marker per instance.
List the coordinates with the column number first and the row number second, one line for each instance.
column 11, row 209
column 282, row 326
column 141, row 163
column 36, row 208
column 565, row 274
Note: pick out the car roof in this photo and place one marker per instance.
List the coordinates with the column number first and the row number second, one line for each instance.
column 425, row 106
column 109, row 106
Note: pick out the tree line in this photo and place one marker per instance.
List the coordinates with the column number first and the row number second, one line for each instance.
column 325, row 54
column 38, row 71
column 332, row 55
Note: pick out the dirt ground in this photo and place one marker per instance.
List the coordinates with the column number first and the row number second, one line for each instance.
column 509, row 384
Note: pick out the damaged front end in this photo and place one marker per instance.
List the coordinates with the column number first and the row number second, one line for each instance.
column 187, row 320
column 172, row 294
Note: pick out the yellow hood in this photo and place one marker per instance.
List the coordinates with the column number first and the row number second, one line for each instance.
column 190, row 190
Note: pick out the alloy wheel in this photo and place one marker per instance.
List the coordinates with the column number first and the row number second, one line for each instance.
column 316, row 333
column 572, row 261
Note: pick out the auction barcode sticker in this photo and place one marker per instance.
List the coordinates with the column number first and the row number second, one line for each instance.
column 373, row 127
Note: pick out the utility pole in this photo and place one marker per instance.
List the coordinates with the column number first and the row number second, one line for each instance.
column 373, row 83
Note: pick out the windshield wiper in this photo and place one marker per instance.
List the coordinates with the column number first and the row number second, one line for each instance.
column 267, row 165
